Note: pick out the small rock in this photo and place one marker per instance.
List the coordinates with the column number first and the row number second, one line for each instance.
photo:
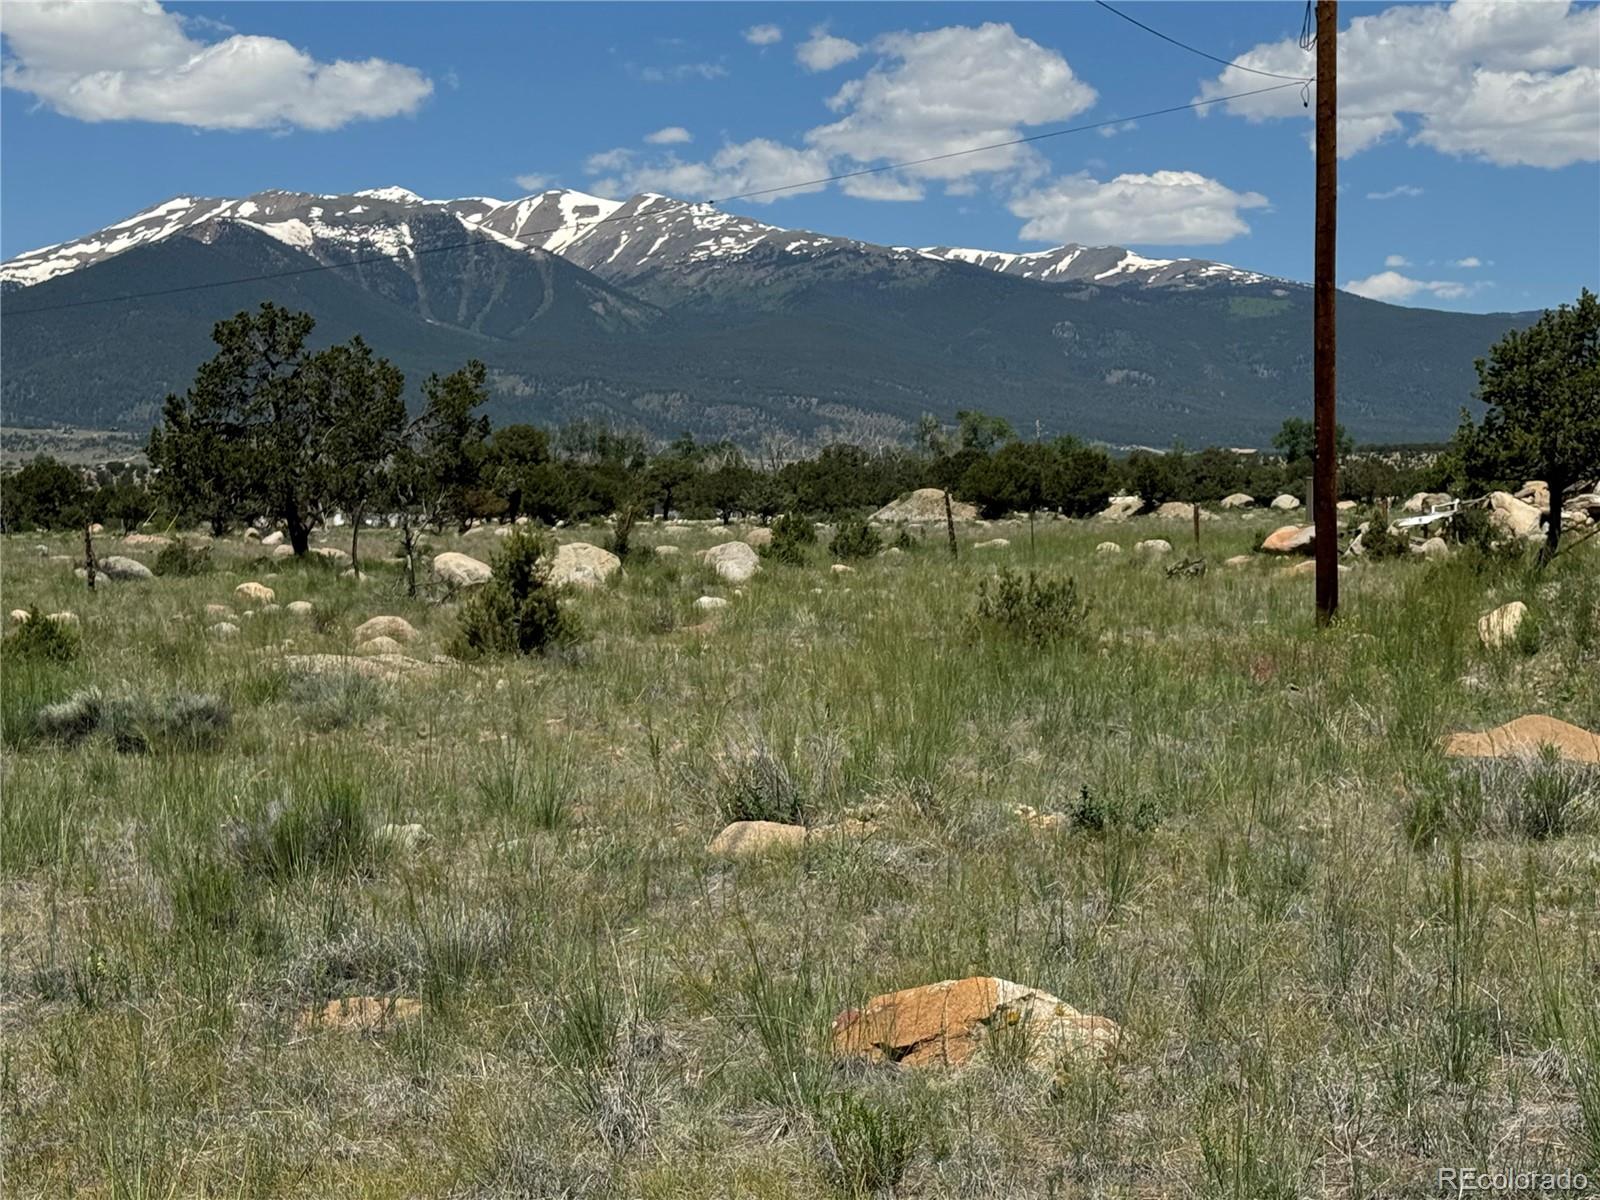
column 1345, row 506
column 331, row 554
column 842, row 569
column 1108, row 548
column 948, row 1024
column 1238, row 500
column 359, row 1014
column 1121, row 508
column 275, row 538
column 891, row 552
column 380, row 645
column 747, row 839
column 1153, row 546
column 403, row 837
column 459, row 570
column 397, row 628
column 1289, row 539
column 1285, row 502
column 255, row 593
column 283, row 550
column 666, row 550
column 223, row 629
column 1526, row 737
column 20, row 615
column 578, row 564
column 300, row 608
column 251, row 534
column 1238, row 560
column 1047, row 822
column 710, row 603
column 1499, row 627
column 734, row 562
column 1434, row 547
column 124, row 569
column 220, row 611
column 64, row 618
column 758, row 538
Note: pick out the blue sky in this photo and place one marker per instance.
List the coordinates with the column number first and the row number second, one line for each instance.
column 1472, row 133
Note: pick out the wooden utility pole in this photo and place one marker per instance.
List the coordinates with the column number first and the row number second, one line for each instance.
column 1325, row 489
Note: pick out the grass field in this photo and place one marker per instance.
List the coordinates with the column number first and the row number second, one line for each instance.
column 1339, row 959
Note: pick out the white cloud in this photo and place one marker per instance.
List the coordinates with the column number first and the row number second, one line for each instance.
column 823, row 52
column 763, row 35
column 903, row 107
column 672, row 135
column 679, row 72
column 1512, row 83
column 131, row 60
column 1470, row 262
column 1397, row 260
column 737, row 167
column 906, row 106
column 532, row 183
column 1169, row 208
column 1406, row 190
column 1393, row 287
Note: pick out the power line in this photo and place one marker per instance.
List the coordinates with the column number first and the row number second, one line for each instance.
column 1227, row 62
column 787, row 187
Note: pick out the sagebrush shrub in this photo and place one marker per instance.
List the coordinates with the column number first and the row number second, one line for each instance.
column 754, row 784
column 323, row 829
column 1032, row 608
column 1098, row 814
column 1380, row 542
column 39, row 639
column 855, row 539
column 868, row 1145
column 180, row 558
column 518, row 611
column 792, row 536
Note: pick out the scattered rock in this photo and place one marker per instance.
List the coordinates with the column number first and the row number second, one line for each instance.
column 388, row 667
column 63, row 618
column 1238, row 500
column 458, row 570
column 1535, row 492
column 891, row 552
column 359, row 1014
column 123, row 569
column 1238, row 560
column 947, row 1024
column 1046, row 822
column 578, row 564
column 922, row 507
column 1513, row 516
column 251, row 534
column 749, row 839
column 300, row 608
column 1309, row 567
column 380, row 646
column 711, row 603
column 1499, row 627
column 1289, row 539
column 666, row 551
column 1434, row 547
column 283, row 550
column 1346, row 506
column 223, row 629
column 1426, row 501
column 150, row 540
column 97, row 528
column 331, row 554
column 758, row 538
column 1285, row 502
column 221, row 611
column 397, row 628
column 734, row 562
column 991, row 544
column 1153, row 546
column 1525, row 737
column 19, row 615
column 1176, row 510
column 255, row 593
column 842, row 569
column 275, row 538
column 1121, row 508
column 1108, row 548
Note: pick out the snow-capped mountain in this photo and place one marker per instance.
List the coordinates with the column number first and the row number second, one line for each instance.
column 621, row 241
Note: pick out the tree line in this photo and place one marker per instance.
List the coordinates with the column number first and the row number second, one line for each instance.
column 271, row 430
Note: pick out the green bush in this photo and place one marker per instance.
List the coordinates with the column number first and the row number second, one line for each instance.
column 868, row 1145
column 136, row 724
column 325, row 830
column 1034, row 609
column 1380, row 542
column 39, row 639
column 180, row 558
column 1098, row 814
column 792, row 536
column 855, row 539
column 754, row 784
column 518, row 610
